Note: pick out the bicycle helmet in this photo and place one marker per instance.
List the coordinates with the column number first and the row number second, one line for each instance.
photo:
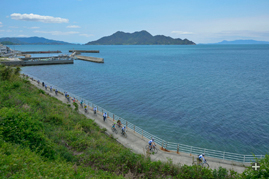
column 203, row 154
column 152, row 139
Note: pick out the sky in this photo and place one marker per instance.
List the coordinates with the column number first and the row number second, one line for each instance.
column 82, row 21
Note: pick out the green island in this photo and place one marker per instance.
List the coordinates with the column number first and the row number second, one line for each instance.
column 41, row 137
column 139, row 38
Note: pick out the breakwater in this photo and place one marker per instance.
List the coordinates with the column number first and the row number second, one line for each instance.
column 172, row 147
column 84, row 51
column 33, row 63
column 91, row 59
column 38, row 52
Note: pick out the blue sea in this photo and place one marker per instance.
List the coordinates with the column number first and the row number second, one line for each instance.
column 210, row 96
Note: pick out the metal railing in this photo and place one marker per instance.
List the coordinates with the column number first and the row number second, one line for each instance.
column 171, row 146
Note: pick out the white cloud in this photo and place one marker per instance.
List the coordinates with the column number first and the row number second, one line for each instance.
column 13, row 27
column 73, row 26
column 31, row 27
column 38, row 18
column 2, row 30
column 1, row 24
column 57, row 32
column 34, row 27
column 86, row 35
column 23, row 36
column 182, row 33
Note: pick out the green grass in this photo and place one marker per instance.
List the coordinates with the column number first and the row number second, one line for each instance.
column 41, row 136
column 18, row 162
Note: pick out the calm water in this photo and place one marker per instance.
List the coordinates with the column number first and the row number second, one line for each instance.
column 212, row 96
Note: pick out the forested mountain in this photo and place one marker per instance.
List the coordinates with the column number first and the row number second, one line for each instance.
column 139, row 38
column 32, row 41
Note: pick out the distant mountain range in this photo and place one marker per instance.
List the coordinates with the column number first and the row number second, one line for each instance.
column 31, row 41
column 139, row 38
column 242, row 42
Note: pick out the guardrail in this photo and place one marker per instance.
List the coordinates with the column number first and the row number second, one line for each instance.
column 171, row 146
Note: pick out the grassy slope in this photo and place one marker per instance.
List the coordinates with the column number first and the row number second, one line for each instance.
column 37, row 130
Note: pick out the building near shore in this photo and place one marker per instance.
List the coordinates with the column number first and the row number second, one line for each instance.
column 4, row 50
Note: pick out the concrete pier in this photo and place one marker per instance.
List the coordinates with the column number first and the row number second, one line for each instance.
column 91, row 59
column 50, row 58
column 85, row 51
column 37, row 52
column 33, row 63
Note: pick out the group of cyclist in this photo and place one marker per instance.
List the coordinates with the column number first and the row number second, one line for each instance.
column 45, row 86
column 201, row 158
column 119, row 125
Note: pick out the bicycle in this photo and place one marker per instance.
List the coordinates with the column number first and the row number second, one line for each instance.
column 114, row 129
column 119, row 125
column 202, row 164
column 152, row 150
column 124, row 134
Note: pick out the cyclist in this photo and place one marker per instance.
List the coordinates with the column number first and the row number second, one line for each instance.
column 119, row 123
column 56, row 91
column 38, row 82
column 104, row 116
column 200, row 157
column 43, row 84
column 114, row 125
column 151, row 143
column 94, row 110
column 85, row 107
column 123, row 130
column 50, row 88
column 81, row 103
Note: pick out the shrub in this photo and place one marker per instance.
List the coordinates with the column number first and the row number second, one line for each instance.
column 55, row 119
column 41, row 91
column 263, row 171
column 76, row 106
column 20, row 128
column 6, row 73
column 17, row 70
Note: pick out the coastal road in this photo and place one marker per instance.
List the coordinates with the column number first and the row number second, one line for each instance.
column 137, row 143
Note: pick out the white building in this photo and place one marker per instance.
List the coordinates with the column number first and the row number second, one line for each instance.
column 3, row 49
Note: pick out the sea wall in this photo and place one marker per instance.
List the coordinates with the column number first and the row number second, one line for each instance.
column 32, row 63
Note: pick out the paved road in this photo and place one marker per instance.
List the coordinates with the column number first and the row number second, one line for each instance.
column 136, row 143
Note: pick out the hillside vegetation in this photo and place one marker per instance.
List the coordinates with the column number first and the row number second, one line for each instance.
column 42, row 137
